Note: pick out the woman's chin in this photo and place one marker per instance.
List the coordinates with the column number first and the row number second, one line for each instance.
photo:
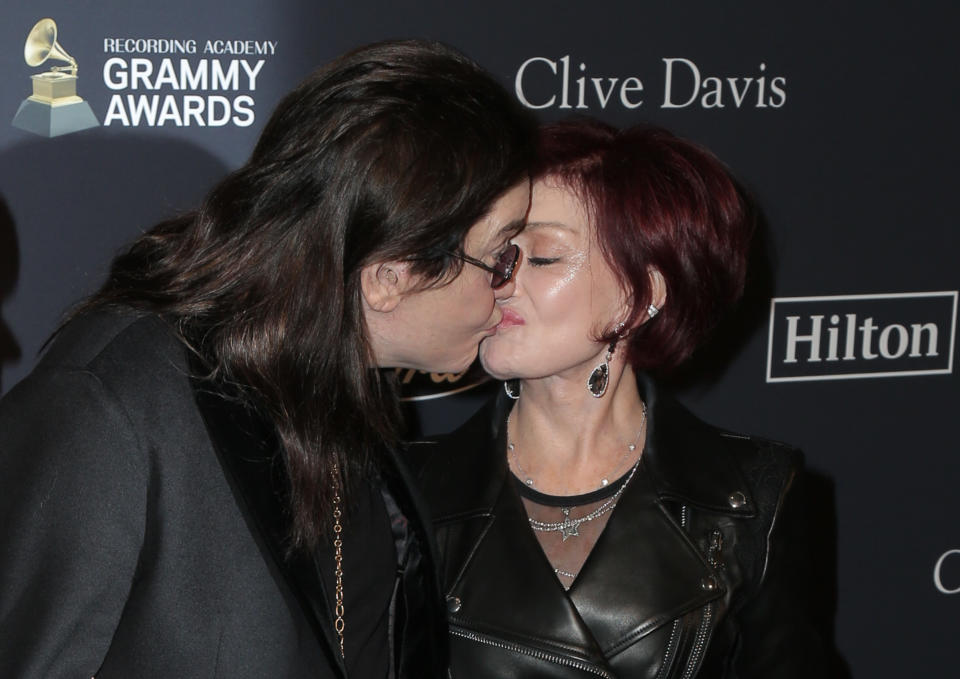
column 494, row 368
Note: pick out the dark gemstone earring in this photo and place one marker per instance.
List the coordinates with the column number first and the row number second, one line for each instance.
column 597, row 382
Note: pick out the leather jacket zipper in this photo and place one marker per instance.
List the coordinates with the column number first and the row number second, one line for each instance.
column 672, row 645
column 699, row 643
column 524, row 650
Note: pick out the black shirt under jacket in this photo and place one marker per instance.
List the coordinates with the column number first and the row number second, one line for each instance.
column 700, row 571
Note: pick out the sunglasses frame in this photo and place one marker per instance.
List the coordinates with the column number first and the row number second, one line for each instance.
column 505, row 276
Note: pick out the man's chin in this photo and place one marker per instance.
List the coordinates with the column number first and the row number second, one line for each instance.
column 462, row 366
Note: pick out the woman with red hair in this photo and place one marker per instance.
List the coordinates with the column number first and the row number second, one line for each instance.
column 590, row 524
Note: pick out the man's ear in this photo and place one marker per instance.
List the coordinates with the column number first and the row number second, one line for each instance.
column 384, row 284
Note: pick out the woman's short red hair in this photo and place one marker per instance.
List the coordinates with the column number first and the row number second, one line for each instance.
column 657, row 202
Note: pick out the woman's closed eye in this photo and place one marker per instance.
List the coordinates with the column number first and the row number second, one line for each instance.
column 542, row 261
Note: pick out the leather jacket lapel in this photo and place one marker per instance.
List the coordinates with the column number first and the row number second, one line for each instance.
column 525, row 597
column 247, row 448
column 648, row 568
column 482, row 532
column 623, row 593
column 687, row 460
column 461, row 490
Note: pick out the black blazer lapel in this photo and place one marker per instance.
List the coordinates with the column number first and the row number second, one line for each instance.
column 247, row 448
column 404, row 489
column 424, row 652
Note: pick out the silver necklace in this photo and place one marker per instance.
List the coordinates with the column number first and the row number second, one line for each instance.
column 605, row 481
column 569, row 527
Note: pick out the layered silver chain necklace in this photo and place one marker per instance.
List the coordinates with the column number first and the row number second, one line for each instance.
column 570, row 527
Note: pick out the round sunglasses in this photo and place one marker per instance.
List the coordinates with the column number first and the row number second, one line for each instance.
column 503, row 269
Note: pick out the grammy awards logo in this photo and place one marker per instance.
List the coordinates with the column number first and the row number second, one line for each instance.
column 54, row 107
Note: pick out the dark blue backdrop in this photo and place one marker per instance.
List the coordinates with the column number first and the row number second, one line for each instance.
column 841, row 119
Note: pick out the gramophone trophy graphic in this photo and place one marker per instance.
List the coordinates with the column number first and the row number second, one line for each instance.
column 54, row 107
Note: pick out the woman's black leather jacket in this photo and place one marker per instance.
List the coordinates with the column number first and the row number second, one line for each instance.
column 698, row 573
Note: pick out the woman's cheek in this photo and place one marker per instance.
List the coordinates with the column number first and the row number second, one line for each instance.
column 554, row 279
column 561, row 289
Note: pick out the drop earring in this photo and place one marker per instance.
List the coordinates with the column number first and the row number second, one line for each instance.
column 597, row 382
column 512, row 387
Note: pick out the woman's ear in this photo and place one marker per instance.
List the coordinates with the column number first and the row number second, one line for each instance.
column 658, row 288
column 384, row 284
column 658, row 297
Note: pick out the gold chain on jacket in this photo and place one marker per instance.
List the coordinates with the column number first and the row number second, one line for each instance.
column 338, row 559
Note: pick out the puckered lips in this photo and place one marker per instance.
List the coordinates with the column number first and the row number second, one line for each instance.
column 510, row 319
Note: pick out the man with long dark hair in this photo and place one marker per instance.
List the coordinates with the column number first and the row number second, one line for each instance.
column 201, row 476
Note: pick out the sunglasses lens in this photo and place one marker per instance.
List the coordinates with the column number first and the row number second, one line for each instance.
column 504, row 266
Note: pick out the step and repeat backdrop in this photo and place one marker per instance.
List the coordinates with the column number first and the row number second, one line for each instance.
column 840, row 118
